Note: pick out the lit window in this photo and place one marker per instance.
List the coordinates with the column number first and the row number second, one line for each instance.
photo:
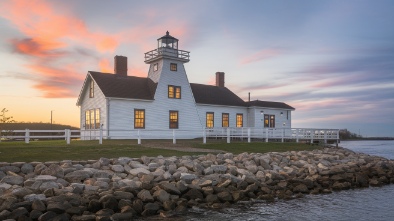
column 97, row 119
column 174, row 120
column 91, row 119
column 91, row 89
column 139, row 118
column 269, row 120
column 240, row 120
column 173, row 67
column 174, row 92
column 210, row 119
column 155, row 67
column 225, row 118
column 87, row 119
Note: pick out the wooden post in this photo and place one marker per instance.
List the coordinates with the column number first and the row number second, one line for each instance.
column 139, row 137
column 173, row 137
column 27, row 136
column 101, row 135
column 228, row 135
column 248, row 135
column 283, row 134
column 325, row 136
column 204, row 136
column 312, row 135
column 67, row 134
column 297, row 139
column 266, row 135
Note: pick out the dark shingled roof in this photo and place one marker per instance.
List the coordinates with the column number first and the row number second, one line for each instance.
column 207, row 94
column 113, row 85
column 269, row 104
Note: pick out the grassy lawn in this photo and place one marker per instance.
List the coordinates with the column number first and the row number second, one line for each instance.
column 56, row 150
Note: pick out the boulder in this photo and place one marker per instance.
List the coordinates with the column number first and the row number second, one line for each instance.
column 187, row 177
column 137, row 171
column 161, row 195
column 117, row 168
column 53, row 170
column 12, row 180
column 27, row 168
column 38, row 205
column 193, row 194
column 145, row 196
column 77, row 176
column 170, row 188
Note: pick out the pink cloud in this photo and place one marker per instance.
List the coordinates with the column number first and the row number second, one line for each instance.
column 261, row 55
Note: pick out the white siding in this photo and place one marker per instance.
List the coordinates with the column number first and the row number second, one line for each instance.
column 218, row 110
column 279, row 119
column 96, row 102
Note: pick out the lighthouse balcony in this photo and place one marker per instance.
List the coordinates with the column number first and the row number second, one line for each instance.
column 167, row 52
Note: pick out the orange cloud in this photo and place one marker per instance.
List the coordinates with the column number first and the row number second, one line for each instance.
column 261, row 55
column 105, row 66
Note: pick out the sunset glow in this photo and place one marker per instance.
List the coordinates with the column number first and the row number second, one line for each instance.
column 331, row 60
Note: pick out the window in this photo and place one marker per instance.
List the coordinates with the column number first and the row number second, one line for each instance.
column 92, row 119
column 91, row 89
column 269, row 120
column 174, row 120
column 174, row 92
column 210, row 119
column 97, row 118
column 87, row 119
column 225, row 118
column 173, row 67
column 139, row 118
column 155, row 67
column 240, row 120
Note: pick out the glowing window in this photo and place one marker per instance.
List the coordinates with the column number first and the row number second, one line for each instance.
column 240, row 120
column 225, row 119
column 174, row 120
column 269, row 120
column 139, row 118
column 210, row 119
column 173, row 67
column 174, row 92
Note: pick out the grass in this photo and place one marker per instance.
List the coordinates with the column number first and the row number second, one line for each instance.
column 56, row 150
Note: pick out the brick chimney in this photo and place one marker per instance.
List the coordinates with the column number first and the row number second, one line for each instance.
column 120, row 65
column 220, row 79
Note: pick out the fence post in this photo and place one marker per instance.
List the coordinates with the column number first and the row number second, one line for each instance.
column 325, row 136
column 248, row 135
column 283, row 134
column 297, row 139
column 266, row 135
column 312, row 136
column 228, row 135
column 173, row 137
column 139, row 137
column 67, row 134
column 204, row 136
column 101, row 135
column 27, row 136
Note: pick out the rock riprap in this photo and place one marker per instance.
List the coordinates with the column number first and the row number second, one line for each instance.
column 123, row 188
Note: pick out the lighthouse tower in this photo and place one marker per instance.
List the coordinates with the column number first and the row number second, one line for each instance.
column 173, row 95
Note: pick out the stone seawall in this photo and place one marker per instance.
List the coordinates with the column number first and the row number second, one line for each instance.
column 125, row 188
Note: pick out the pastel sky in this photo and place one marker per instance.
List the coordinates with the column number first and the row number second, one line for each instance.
column 331, row 60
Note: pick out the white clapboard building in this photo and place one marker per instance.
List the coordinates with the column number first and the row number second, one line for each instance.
column 165, row 100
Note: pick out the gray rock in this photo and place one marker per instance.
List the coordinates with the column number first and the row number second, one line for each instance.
column 104, row 161
column 187, row 177
column 53, row 170
column 117, row 168
column 57, row 207
column 150, row 209
column 193, row 194
column 161, row 195
column 44, row 178
column 48, row 185
column 47, row 216
column 4, row 214
column 137, row 171
column 35, row 214
column 38, row 205
column 15, row 214
column 84, row 218
column 32, row 197
column 5, row 186
column 21, row 192
column 77, row 176
column 122, row 216
column 301, row 188
column 27, row 168
column 225, row 196
column 13, row 169
column 145, row 196
column 12, row 180
column 170, row 188
column 39, row 168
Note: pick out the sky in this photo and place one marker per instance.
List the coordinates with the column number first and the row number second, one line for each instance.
column 331, row 60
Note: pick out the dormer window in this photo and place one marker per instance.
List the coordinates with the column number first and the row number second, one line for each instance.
column 91, row 89
column 173, row 67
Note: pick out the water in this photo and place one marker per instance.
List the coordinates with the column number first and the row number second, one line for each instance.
column 360, row 204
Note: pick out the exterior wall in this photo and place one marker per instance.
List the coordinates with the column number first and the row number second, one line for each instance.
column 218, row 110
column 96, row 102
column 121, row 112
column 258, row 118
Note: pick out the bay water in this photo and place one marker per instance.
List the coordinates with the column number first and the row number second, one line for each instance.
column 374, row 203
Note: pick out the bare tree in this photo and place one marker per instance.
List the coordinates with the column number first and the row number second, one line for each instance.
column 4, row 119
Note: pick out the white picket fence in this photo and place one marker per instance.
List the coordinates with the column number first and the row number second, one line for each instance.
column 266, row 134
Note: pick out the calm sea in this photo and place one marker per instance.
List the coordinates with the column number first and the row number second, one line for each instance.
column 361, row 204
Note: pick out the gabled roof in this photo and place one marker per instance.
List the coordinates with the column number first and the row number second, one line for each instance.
column 113, row 85
column 208, row 94
column 269, row 104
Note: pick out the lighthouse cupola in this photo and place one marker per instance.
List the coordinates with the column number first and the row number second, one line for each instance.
column 167, row 47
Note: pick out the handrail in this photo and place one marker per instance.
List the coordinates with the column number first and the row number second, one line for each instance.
column 167, row 51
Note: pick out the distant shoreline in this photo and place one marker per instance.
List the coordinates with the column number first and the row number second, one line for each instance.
column 369, row 138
